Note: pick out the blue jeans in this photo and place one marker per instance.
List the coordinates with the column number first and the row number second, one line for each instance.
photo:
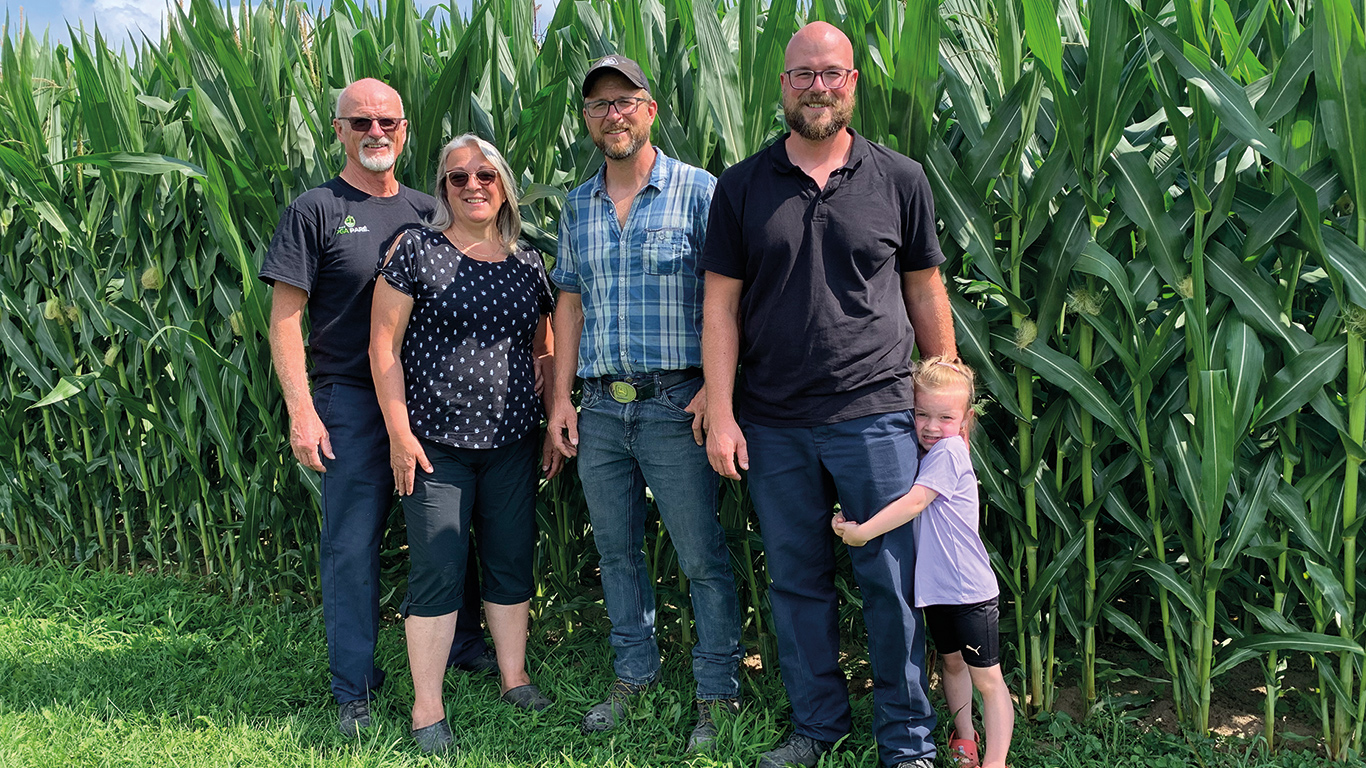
column 357, row 494
column 622, row 448
column 796, row 474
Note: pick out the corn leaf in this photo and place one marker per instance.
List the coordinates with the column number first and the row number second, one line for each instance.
column 1067, row 373
column 1304, row 376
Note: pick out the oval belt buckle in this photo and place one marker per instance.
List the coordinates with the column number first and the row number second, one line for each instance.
column 623, row 392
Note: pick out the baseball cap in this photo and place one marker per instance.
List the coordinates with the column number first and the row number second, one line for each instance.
column 619, row 64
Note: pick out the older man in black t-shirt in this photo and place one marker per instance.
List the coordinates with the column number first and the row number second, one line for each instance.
column 822, row 270
column 323, row 256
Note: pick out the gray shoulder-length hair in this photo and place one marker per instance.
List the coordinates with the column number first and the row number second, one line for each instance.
column 509, row 218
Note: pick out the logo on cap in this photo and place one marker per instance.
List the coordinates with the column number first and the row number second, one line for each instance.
column 610, row 60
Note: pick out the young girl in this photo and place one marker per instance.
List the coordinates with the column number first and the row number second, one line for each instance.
column 954, row 582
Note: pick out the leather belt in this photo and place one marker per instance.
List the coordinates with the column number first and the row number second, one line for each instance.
column 627, row 389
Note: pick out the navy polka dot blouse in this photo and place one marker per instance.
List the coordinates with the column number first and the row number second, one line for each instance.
column 467, row 352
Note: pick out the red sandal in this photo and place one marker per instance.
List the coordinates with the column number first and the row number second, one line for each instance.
column 963, row 752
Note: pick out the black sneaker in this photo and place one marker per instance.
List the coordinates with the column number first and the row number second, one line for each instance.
column 353, row 717
column 704, row 733
column 920, row 762
column 483, row 664
column 604, row 716
column 796, row 749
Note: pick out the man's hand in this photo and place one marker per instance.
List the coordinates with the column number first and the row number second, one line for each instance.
column 698, row 409
column 848, row 530
column 726, row 444
column 563, row 426
column 306, row 436
column 552, row 461
column 405, row 455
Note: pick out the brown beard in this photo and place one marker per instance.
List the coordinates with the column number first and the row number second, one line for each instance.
column 637, row 141
column 842, row 111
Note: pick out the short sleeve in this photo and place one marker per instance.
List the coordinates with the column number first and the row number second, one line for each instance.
column 919, row 242
column 943, row 466
column 566, row 271
column 292, row 257
column 401, row 273
column 545, row 295
column 722, row 252
column 701, row 212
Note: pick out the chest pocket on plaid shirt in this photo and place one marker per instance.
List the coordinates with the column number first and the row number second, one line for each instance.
column 663, row 250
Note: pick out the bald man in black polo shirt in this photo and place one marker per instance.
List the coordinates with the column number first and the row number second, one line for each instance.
column 822, row 273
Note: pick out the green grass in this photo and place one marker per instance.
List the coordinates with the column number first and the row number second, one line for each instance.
column 102, row 669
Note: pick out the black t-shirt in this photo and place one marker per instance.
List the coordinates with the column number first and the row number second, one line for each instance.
column 825, row 335
column 329, row 242
column 467, row 351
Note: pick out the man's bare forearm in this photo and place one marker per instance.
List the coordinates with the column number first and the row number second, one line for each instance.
column 568, row 329
column 287, row 346
column 720, row 343
column 927, row 306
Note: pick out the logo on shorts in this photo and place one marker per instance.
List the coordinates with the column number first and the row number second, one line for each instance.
column 348, row 227
column 977, row 650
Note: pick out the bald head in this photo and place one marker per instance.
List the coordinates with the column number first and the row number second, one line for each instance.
column 819, row 41
column 367, row 92
column 818, row 83
column 369, row 123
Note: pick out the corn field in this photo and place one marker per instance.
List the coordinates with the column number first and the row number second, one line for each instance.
column 1156, row 258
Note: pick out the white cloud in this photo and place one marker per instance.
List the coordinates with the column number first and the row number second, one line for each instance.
column 120, row 19
column 117, row 19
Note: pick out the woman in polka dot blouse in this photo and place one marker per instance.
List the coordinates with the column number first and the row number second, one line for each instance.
column 461, row 315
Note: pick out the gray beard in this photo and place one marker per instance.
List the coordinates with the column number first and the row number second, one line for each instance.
column 377, row 164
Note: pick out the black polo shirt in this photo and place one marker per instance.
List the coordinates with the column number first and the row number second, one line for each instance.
column 824, row 333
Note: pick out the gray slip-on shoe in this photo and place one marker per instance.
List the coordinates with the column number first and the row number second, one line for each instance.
column 527, row 697
column 434, row 739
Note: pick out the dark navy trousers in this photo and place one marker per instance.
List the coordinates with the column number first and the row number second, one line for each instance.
column 796, row 474
column 357, row 496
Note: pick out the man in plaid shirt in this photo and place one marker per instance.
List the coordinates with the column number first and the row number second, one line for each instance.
column 629, row 323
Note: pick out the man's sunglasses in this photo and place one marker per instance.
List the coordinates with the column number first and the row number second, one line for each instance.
column 362, row 124
column 459, row 179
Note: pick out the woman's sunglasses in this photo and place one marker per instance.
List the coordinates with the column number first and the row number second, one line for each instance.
column 459, row 179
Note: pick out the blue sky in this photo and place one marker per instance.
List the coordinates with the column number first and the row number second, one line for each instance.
column 120, row 18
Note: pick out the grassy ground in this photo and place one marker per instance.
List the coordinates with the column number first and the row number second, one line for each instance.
column 100, row 669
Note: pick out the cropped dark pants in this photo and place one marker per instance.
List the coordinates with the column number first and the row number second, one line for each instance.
column 357, row 495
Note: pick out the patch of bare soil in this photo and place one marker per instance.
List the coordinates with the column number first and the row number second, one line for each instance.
column 1237, row 700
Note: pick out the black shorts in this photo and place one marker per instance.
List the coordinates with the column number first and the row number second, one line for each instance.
column 974, row 630
column 492, row 490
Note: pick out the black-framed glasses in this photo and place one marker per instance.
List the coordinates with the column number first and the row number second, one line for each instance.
column 362, row 124
column 459, row 179
column 801, row 79
column 626, row 105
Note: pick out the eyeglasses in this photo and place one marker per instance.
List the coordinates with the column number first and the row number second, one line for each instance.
column 362, row 124
column 459, row 179
column 801, row 79
column 626, row 105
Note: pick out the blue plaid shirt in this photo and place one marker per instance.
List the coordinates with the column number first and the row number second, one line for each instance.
column 639, row 284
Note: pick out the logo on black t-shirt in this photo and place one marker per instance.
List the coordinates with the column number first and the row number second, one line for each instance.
column 348, row 227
